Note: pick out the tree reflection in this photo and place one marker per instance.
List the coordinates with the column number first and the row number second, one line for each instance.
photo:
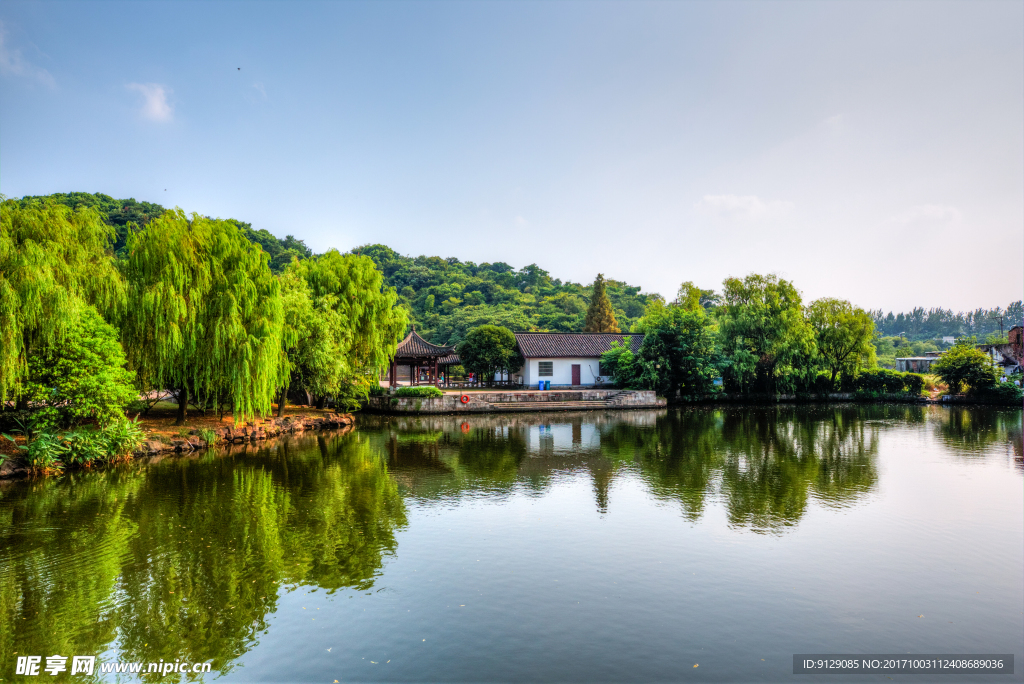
column 972, row 432
column 186, row 560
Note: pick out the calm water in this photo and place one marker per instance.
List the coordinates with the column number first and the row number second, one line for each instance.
column 623, row 547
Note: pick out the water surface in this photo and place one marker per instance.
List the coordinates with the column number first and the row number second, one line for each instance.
column 626, row 547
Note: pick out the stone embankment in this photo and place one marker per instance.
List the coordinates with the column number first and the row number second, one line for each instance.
column 250, row 432
column 518, row 401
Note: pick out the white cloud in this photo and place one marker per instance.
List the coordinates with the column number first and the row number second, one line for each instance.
column 154, row 101
column 926, row 214
column 12, row 63
column 746, row 207
column 260, row 87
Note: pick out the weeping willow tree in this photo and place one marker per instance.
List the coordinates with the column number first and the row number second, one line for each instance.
column 358, row 327
column 53, row 261
column 310, row 350
column 204, row 316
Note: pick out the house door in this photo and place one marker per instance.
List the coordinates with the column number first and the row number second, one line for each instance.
column 575, row 373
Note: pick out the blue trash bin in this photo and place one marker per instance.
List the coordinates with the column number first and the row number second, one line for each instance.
column 540, row 384
column 547, row 384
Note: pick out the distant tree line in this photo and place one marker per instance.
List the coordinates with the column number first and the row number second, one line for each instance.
column 936, row 323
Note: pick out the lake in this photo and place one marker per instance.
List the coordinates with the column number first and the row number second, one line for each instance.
column 705, row 544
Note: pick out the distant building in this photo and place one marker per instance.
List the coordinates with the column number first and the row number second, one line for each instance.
column 948, row 339
column 568, row 359
column 1004, row 355
column 1017, row 343
column 915, row 364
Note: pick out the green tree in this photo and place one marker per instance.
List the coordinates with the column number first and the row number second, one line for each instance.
column 763, row 332
column 490, row 349
column 677, row 355
column 843, row 334
column 204, row 316
column 600, row 317
column 119, row 214
column 83, row 376
column 362, row 313
column 310, row 339
column 966, row 365
column 52, row 261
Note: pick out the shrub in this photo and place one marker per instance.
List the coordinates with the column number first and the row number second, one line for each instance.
column 44, row 452
column 822, row 382
column 878, row 380
column 208, row 435
column 965, row 364
column 81, row 377
column 418, row 392
column 122, row 437
column 1004, row 393
column 81, row 447
column 914, row 382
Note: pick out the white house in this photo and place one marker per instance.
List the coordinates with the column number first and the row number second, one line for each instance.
column 568, row 359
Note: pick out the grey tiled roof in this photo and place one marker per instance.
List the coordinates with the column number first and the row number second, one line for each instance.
column 452, row 359
column 414, row 346
column 572, row 345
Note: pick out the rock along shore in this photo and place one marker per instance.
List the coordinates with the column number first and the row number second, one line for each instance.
column 17, row 467
column 249, row 432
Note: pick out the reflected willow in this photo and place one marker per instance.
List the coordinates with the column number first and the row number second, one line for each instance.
column 186, row 560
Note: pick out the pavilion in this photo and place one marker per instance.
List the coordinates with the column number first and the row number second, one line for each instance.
column 421, row 357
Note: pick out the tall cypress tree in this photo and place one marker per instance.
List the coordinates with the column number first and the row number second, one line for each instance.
column 600, row 317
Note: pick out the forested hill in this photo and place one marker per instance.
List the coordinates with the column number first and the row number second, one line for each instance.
column 448, row 297
column 120, row 212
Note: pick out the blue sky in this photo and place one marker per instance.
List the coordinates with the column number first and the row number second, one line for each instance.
column 872, row 151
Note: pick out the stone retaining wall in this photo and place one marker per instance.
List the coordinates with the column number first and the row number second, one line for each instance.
column 491, row 402
column 250, row 432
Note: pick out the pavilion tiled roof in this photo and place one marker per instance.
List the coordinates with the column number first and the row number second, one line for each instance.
column 573, row 345
column 451, row 360
column 414, row 346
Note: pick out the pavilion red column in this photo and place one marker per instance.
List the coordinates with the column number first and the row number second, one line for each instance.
column 391, row 375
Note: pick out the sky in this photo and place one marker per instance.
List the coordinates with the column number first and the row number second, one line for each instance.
column 872, row 151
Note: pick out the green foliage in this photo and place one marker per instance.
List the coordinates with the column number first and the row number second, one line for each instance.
column 119, row 214
column 931, row 324
column 879, row 380
column 359, row 325
column 600, row 317
column 207, row 435
column 281, row 252
column 913, row 382
column 493, row 294
column 52, row 261
column 677, row 354
column 843, row 335
column 1005, row 393
column 82, row 377
column 764, row 335
column 964, row 365
column 204, row 314
column 122, row 437
column 421, row 391
column 490, row 349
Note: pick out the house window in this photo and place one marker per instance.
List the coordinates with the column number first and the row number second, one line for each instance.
column 604, row 369
column 545, row 368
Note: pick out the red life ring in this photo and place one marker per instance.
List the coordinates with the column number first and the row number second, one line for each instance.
column 464, row 399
